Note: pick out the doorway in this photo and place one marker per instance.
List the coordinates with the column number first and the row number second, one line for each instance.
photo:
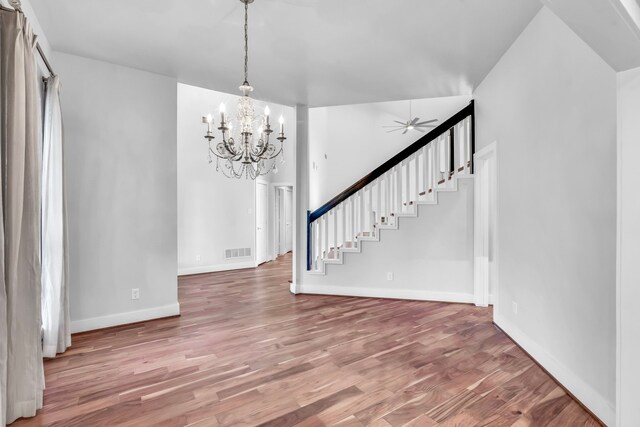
column 485, row 226
column 261, row 222
column 284, row 220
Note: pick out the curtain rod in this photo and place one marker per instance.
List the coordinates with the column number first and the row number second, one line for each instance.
column 17, row 6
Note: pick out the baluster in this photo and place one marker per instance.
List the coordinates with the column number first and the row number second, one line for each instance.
column 416, row 189
column 441, row 160
column 469, row 157
column 352, row 225
column 433, row 170
column 450, row 148
column 335, row 233
column 317, row 243
column 462, row 146
column 354, row 199
column 361, row 219
column 425, row 170
column 343, row 220
column 387, row 197
column 398, row 189
column 330, row 217
column 313, row 245
column 370, row 207
column 325, row 239
column 378, row 212
column 407, row 179
column 321, row 238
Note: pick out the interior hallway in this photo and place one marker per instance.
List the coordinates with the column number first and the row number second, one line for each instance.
column 247, row 352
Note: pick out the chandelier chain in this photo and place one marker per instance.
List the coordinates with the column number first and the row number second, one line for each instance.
column 246, row 41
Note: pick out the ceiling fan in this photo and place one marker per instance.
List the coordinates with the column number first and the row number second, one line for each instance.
column 413, row 123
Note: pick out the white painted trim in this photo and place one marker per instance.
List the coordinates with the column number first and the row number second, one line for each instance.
column 267, row 255
column 589, row 397
column 410, row 294
column 217, row 267
column 619, row 325
column 484, row 282
column 117, row 319
column 293, row 288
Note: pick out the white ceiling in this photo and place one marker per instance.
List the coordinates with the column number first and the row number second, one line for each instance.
column 315, row 52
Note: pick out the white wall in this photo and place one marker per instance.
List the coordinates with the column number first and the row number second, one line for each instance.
column 354, row 141
column 120, row 160
column 628, row 248
column 214, row 212
column 550, row 103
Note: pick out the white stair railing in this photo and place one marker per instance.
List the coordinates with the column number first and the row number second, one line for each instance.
column 395, row 189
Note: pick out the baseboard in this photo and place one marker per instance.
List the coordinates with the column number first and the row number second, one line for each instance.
column 218, row 267
column 410, row 294
column 101, row 322
column 293, row 288
column 582, row 391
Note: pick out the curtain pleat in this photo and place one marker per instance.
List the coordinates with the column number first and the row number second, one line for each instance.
column 21, row 369
column 55, row 292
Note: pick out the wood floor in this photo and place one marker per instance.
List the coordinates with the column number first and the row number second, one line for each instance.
column 247, row 352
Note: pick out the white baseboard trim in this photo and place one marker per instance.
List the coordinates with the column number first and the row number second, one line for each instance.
column 411, row 294
column 293, row 288
column 582, row 391
column 214, row 268
column 117, row 319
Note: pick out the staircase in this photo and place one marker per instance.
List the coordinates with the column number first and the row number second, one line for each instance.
column 395, row 189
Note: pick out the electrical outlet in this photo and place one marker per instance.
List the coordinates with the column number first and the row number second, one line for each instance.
column 198, row 258
column 514, row 307
column 390, row 275
column 135, row 293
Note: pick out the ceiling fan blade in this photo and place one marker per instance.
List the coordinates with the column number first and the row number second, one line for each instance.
column 393, row 126
column 414, row 121
column 401, row 123
column 394, row 130
column 405, row 131
column 419, row 130
column 427, row 121
column 425, row 126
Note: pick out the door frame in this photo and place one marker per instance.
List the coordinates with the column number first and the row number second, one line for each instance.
column 485, row 226
column 273, row 189
column 255, row 220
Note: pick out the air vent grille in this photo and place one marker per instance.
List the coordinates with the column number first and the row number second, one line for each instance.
column 237, row 253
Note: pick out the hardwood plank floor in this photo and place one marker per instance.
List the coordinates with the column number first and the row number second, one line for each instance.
column 246, row 352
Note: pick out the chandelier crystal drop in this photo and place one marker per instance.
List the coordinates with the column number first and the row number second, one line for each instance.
column 244, row 151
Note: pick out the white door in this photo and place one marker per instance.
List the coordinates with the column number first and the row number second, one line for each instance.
column 288, row 220
column 261, row 222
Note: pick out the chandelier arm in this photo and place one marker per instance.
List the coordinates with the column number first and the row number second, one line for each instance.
column 228, row 147
column 276, row 154
column 223, row 156
column 260, row 153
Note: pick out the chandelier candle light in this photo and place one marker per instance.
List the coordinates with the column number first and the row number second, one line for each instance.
column 253, row 155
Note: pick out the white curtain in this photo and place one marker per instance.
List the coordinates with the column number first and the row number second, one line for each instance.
column 21, row 370
column 55, row 292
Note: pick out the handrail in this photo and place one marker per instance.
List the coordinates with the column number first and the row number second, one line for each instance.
column 402, row 155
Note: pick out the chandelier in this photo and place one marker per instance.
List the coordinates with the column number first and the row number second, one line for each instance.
column 251, row 154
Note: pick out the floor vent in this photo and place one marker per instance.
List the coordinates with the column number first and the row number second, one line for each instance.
column 237, row 253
